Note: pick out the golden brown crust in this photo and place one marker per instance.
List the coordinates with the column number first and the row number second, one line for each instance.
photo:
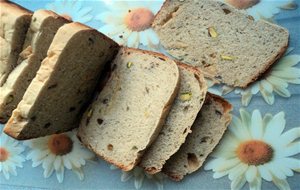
column 14, row 8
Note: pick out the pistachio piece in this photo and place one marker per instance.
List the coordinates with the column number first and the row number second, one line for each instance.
column 227, row 57
column 147, row 114
column 186, row 96
column 212, row 32
column 129, row 64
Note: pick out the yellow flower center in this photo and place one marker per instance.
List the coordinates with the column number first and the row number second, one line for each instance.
column 66, row 16
column 254, row 152
column 139, row 19
column 3, row 154
column 242, row 4
column 60, row 144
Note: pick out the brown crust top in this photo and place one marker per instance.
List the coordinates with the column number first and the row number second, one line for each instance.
column 13, row 7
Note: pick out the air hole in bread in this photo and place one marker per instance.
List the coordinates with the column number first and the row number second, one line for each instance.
column 185, row 130
column 134, row 148
column 169, row 16
column 72, row 109
column 91, row 41
column 52, row 86
column 33, row 118
column 205, row 139
column 105, row 101
column 110, row 147
column 219, row 113
column 226, row 11
column 147, row 90
column 186, row 108
column 161, row 58
column 99, row 121
column 113, row 67
column 47, row 125
column 127, row 108
column 193, row 162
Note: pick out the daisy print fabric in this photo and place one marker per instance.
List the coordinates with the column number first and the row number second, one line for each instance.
column 257, row 148
column 72, row 10
column 59, row 152
column 262, row 9
column 129, row 22
column 275, row 82
column 11, row 156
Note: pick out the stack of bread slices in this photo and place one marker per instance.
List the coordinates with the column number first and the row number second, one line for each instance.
column 132, row 107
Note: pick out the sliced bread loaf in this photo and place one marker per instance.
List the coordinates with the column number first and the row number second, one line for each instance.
column 64, row 83
column 225, row 43
column 14, row 23
column 182, row 115
column 130, row 110
column 43, row 27
column 208, row 129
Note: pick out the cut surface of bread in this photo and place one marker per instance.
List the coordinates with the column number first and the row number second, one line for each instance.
column 208, row 129
column 130, row 110
column 14, row 23
column 64, row 83
column 43, row 27
column 179, row 121
column 228, row 45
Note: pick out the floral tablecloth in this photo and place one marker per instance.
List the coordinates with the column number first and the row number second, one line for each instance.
column 259, row 151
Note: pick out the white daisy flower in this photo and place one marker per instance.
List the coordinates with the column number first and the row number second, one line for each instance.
column 276, row 81
column 57, row 152
column 71, row 10
column 255, row 148
column 138, row 174
column 265, row 9
column 129, row 23
column 10, row 155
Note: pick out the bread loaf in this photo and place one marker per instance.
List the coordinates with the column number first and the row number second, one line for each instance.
column 64, row 83
column 14, row 23
column 43, row 27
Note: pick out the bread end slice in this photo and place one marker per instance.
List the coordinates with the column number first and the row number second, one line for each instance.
column 240, row 50
column 64, row 83
column 208, row 129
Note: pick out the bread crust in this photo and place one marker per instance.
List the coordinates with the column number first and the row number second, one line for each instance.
column 14, row 8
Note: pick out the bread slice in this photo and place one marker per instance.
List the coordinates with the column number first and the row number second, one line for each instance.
column 131, row 109
column 14, row 23
column 182, row 115
column 208, row 129
column 64, row 83
column 43, row 27
column 225, row 43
